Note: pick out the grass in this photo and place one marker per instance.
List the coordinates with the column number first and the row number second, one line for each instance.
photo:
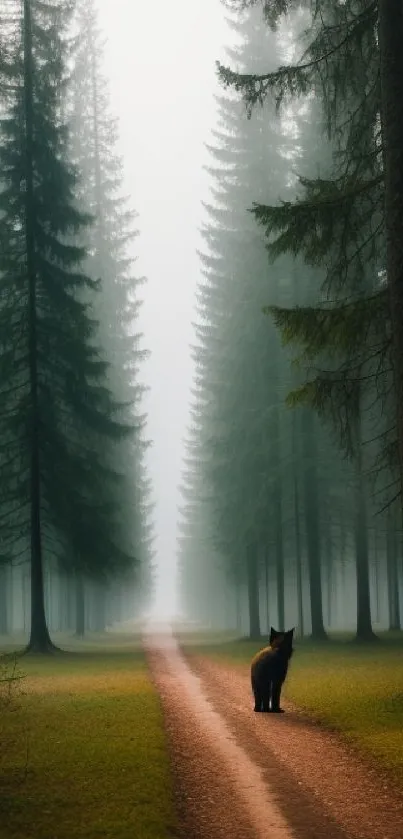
column 82, row 748
column 354, row 689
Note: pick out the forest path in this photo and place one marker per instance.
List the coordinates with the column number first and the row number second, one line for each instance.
column 256, row 776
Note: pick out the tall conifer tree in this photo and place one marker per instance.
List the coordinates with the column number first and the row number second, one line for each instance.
column 337, row 222
column 58, row 494
column 110, row 241
column 244, row 432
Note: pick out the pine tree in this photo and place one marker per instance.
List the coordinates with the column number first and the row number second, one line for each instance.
column 390, row 32
column 337, row 222
column 243, row 431
column 243, row 398
column 94, row 136
column 57, row 494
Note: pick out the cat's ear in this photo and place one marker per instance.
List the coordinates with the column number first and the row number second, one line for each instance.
column 273, row 633
column 290, row 632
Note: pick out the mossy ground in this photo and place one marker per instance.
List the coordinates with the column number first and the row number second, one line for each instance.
column 356, row 689
column 82, row 748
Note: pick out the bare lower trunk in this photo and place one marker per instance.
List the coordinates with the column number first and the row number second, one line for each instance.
column 391, row 77
column 376, row 574
column 253, row 590
column 277, row 515
column 266, row 585
column 39, row 641
column 311, row 503
column 279, row 547
column 238, row 609
column 100, row 609
column 298, row 547
column 329, row 573
column 3, row 600
column 392, row 574
column 80, row 606
column 364, row 622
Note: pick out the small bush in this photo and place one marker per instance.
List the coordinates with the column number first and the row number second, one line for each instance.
column 12, row 739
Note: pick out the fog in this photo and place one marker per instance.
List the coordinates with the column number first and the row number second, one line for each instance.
column 201, row 418
column 250, row 514
column 160, row 60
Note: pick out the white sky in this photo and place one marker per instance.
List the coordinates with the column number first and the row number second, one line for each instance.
column 160, row 59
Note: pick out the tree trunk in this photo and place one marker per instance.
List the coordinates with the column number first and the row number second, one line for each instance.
column 274, row 435
column 49, row 608
column 80, row 606
column 119, row 612
column 71, row 597
column 253, row 590
column 238, row 598
column 329, row 572
column 266, row 584
column 277, row 514
column 391, row 77
column 100, row 609
column 4, row 617
column 12, row 587
column 279, row 547
column 376, row 575
column 311, row 505
column 238, row 609
column 39, row 641
column 364, row 622
column 392, row 574
column 341, row 586
column 298, row 547
column 63, row 600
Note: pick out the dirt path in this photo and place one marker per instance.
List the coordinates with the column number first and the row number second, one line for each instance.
column 257, row 776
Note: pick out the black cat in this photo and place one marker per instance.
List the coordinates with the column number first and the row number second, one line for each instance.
column 269, row 669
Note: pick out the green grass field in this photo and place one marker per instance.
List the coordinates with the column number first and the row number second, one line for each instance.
column 354, row 689
column 82, row 748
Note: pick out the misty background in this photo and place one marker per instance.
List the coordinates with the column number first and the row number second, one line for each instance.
column 160, row 60
column 218, row 256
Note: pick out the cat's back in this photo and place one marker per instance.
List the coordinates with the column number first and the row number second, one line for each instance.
column 263, row 655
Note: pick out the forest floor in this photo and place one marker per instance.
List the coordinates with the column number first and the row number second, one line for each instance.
column 83, row 752
column 355, row 689
column 255, row 776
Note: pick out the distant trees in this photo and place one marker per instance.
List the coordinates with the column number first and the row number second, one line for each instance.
column 324, row 286
column 243, row 471
column 237, row 358
column 59, row 421
column 337, row 222
column 93, row 137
